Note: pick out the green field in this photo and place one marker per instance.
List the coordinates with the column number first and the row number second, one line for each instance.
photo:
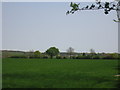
column 56, row 73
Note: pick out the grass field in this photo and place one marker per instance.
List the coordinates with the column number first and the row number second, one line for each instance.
column 56, row 73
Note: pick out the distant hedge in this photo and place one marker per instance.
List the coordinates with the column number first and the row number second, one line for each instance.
column 96, row 56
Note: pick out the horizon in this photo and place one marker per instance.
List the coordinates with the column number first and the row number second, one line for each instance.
column 58, row 48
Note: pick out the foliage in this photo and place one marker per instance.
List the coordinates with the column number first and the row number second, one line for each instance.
column 96, row 57
column 37, row 54
column 107, row 56
column 19, row 56
column 115, row 55
column 45, row 57
column 106, row 6
column 118, row 56
column 83, row 57
column 52, row 51
column 59, row 57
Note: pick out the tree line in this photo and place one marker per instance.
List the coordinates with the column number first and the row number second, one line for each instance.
column 54, row 52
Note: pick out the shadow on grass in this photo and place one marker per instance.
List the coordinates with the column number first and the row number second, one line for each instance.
column 56, row 80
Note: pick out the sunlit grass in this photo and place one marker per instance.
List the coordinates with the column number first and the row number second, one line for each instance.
column 56, row 73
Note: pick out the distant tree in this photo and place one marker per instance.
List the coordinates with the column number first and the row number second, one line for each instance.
column 52, row 51
column 106, row 6
column 114, row 55
column 83, row 54
column 37, row 53
column 92, row 51
column 30, row 53
column 70, row 51
column 5, row 54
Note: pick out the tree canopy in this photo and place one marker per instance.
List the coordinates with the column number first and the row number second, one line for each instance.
column 37, row 53
column 52, row 51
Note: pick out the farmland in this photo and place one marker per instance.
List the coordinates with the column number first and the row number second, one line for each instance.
column 59, row 73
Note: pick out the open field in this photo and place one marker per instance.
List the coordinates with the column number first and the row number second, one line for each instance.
column 56, row 73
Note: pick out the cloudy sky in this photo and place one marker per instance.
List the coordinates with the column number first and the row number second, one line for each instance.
column 40, row 25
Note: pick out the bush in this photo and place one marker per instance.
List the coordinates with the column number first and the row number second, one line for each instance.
column 65, row 57
column 96, row 57
column 21, row 56
column 34, row 57
column 59, row 57
column 45, row 57
column 115, row 55
column 118, row 56
column 83, row 57
column 107, row 57
column 73, row 57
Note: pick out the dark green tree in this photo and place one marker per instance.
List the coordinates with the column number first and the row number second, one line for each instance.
column 37, row 53
column 52, row 51
column 106, row 6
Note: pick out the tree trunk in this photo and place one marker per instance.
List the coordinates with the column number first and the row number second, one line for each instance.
column 51, row 56
column 70, row 55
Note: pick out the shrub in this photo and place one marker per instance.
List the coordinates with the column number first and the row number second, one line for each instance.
column 83, row 57
column 65, row 57
column 96, row 57
column 45, row 57
column 19, row 56
column 107, row 57
column 118, row 56
column 73, row 57
column 59, row 57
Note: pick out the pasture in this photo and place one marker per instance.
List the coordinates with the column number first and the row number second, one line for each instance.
column 59, row 73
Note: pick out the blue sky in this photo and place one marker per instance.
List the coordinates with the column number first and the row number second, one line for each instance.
column 38, row 26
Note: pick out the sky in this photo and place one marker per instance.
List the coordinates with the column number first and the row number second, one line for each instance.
column 40, row 25
column 0, row 26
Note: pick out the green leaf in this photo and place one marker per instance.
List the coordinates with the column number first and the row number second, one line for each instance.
column 106, row 12
column 107, row 5
column 67, row 12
